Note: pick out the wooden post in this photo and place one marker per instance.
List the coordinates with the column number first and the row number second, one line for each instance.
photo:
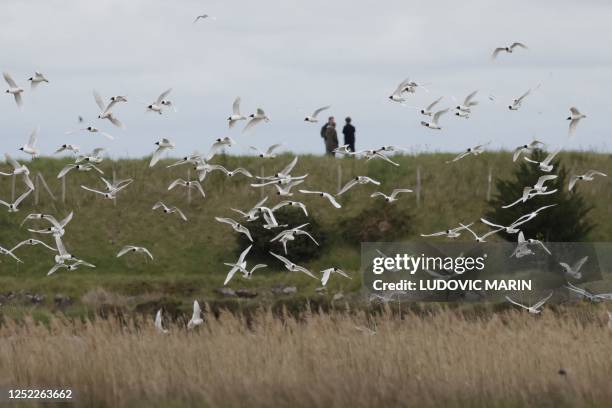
column 489, row 180
column 339, row 177
column 261, row 195
column 188, row 188
column 13, row 188
column 114, row 181
column 64, row 189
column 36, row 189
column 418, row 186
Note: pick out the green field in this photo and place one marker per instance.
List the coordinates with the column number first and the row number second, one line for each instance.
column 189, row 256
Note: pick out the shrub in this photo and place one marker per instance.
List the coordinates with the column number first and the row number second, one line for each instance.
column 566, row 222
column 380, row 222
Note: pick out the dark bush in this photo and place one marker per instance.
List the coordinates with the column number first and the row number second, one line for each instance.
column 380, row 222
column 566, row 222
column 301, row 249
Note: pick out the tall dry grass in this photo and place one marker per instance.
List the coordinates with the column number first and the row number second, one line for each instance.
column 321, row 360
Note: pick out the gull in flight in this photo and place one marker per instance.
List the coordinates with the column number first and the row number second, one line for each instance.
column 134, row 249
column 323, row 194
column 158, row 323
column 449, row 233
column 535, row 309
column 357, row 180
column 574, row 117
column 290, row 204
column 30, row 147
column 290, row 234
column 78, row 167
column 590, row 296
column 545, row 165
column 169, row 210
column 481, row 238
column 530, row 216
column 428, row 110
column 240, row 265
column 474, row 151
column 468, row 102
column 313, row 118
column 20, row 169
column 196, row 317
column 588, row 176
column 57, row 228
column 406, row 86
column 4, row 251
column 236, row 226
column 37, row 79
column 285, row 190
column 236, row 115
column 70, row 267
column 111, row 188
column 14, row 90
column 252, row 214
column 393, row 197
column 574, row 271
column 528, row 194
column 105, row 110
column 434, row 121
column 375, row 154
column 268, row 154
column 232, row 173
column 328, row 272
column 159, row 104
column 526, row 149
column 94, row 157
column 189, row 184
column 509, row 49
column 68, row 147
column 516, row 103
column 33, row 242
column 293, row 267
column 162, row 146
column 523, row 244
column 92, row 129
column 203, row 17
column 13, row 207
column 256, row 118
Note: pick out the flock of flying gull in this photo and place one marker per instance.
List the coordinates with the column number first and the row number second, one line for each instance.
column 283, row 181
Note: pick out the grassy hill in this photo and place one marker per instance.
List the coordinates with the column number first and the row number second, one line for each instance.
column 189, row 255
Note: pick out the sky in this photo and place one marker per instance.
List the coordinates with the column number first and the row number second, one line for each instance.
column 291, row 57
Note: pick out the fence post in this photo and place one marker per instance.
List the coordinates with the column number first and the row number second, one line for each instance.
column 261, row 190
column 64, row 189
column 188, row 188
column 418, row 186
column 36, row 189
column 489, row 180
column 13, row 188
column 114, row 181
column 339, row 177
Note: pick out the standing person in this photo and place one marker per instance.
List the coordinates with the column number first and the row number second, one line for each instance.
column 331, row 138
column 349, row 134
column 330, row 120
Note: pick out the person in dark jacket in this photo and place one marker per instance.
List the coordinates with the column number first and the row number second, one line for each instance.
column 330, row 121
column 331, row 138
column 349, row 134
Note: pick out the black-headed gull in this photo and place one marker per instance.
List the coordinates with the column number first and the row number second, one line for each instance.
column 196, row 317
column 4, row 251
column 545, row 165
column 470, row 151
column 290, row 204
column 468, row 102
column 508, row 49
column 20, row 169
column 105, row 110
column 526, row 149
column 236, row 115
column 37, row 79
column 134, row 249
column 292, row 267
column 434, row 120
column 163, row 145
column 14, row 206
column 517, row 103
column 236, row 226
column 449, row 233
column 355, row 181
column 70, row 267
column 323, row 194
column 268, row 154
column 68, row 147
column 588, row 176
column 481, row 238
column 574, row 270
column 33, row 242
column 393, row 197
column 313, row 118
column 158, row 323
column 157, row 106
column 169, row 210
column 536, row 308
column 255, row 118
column 30, row 146
column 428, row 110
column 239, row 265
column 194, row 184
column 14, row 89
column 574, row 117
column 78, row 167
column 328, row 272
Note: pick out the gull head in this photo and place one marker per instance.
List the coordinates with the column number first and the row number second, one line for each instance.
column 422, row 111
column 568, row 118
column 21, row 148
column 252, row 115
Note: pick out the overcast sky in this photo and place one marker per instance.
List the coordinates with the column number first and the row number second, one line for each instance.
column 290, row 57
